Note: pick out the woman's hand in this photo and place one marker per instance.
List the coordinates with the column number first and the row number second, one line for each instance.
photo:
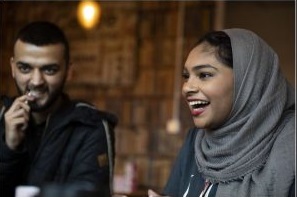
column 152, row 193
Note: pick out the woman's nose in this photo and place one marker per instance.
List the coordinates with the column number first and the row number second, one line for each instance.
column 190, row 86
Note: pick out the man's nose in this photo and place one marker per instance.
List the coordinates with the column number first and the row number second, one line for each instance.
column 37, row 78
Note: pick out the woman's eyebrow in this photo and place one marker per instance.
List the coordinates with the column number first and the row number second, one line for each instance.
column 199, row 67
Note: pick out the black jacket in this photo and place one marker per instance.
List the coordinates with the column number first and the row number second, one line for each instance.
column 73, row 149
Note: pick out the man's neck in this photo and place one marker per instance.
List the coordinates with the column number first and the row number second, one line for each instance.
column 40, row 117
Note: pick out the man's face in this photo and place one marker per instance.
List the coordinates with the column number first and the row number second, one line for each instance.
column 40, row 70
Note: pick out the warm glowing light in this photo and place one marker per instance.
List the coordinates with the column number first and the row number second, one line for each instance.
column 173, row 126
column 88, row 13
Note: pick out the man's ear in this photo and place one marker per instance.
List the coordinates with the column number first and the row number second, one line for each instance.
column 70, row 71
column 12, row 67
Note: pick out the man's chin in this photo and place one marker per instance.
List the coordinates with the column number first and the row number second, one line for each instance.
column 38, row 108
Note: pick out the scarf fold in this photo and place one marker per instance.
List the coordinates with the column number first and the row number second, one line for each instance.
column 240, row 148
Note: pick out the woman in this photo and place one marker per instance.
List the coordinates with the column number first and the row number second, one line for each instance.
column 244, row 115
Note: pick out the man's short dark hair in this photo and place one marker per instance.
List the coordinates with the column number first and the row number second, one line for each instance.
column 41, row 33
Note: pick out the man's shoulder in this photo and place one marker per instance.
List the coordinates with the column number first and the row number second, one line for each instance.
column 85, row 110
column 5, row 102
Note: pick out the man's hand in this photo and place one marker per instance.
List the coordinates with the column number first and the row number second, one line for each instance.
column 16, row 122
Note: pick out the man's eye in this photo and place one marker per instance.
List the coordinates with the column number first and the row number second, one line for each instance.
column 24, row 68
column 50, row 71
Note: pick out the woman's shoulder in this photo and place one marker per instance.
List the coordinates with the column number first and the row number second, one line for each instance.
column 187, row 152
column 284, row 145
column 288, row 130
column 191, row 135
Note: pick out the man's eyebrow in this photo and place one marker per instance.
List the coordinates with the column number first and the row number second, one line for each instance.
column 50, row 65
column 198, row 67
column 43, row 66
column 22, row 63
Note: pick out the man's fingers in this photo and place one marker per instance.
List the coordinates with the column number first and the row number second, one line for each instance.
column 20, row 113
column 16, row 122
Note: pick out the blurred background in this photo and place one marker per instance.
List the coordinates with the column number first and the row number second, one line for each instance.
column 128, row 61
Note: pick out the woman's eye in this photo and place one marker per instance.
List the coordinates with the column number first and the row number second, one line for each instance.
column 204, row 75
column 185, row 75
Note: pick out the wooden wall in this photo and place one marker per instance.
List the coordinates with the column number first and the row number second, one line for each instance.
column 274, row 21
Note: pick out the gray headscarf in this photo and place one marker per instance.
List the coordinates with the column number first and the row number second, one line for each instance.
column 253, row 153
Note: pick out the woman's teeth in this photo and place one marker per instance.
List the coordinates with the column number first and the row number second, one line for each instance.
column 197, row 104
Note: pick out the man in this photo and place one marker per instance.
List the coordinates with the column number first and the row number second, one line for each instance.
column 46, row 138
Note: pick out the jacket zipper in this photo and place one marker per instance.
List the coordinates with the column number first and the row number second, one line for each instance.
column 41, row 140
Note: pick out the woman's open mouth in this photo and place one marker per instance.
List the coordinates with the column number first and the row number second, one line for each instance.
column 197, row 107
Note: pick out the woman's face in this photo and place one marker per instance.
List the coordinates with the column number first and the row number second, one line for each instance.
column 207, row 88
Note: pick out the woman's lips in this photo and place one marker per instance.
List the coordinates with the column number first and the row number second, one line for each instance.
column 197, row 111
column 197, row 107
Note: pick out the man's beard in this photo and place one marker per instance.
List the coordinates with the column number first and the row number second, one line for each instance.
column 52, row 98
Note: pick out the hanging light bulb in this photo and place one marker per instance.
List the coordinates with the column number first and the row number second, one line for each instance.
column 88, row 13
